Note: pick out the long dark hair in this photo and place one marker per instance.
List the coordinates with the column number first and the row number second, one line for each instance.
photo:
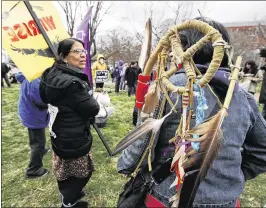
column 254, row 68
column 64, row 48
column 204, row 55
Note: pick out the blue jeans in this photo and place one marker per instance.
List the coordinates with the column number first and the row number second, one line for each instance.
column 122, row 85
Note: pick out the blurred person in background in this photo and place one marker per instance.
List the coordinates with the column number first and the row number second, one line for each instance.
column 123, row 72
column 131, row 78
column 251, row 76
column 4, row 70
column 117, row 74
column 98, row 65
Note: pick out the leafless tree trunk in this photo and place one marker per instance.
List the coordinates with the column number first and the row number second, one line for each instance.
column 70, row 9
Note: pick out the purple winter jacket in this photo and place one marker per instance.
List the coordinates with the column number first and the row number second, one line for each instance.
column 33, row 113
column 118, row 69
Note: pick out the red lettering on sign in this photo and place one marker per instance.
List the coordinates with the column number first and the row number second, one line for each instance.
column 24, row 30
column 27, row 29
column 44, row 26
column 11, row 33
column 34, row 27
column 50, row 22
column 20, row 31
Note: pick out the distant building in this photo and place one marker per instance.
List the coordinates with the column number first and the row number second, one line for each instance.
column 247, row 38
column 255, row 30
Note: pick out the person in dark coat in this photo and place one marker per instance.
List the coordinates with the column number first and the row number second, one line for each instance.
column 33, row 114
column 262, row 99
column 4, row 70
column 131, row 78
column 72, row 109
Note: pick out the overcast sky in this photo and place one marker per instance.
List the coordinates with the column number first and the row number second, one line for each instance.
column 131, row 15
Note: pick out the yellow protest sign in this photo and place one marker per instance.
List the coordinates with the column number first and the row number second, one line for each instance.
column 22, row 39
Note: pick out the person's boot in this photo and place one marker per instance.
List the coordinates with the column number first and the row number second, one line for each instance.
column 39, row 175
column 80, row 204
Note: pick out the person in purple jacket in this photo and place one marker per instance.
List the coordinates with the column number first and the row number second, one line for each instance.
column 33, row 114
column 117, row 74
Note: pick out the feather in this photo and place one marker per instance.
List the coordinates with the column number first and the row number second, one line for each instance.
column 146, row 46
column 200, row 162
column 148, row 125
column 178, row 155
column 151, row 99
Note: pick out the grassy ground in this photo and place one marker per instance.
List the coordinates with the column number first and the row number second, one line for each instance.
column 105, row 184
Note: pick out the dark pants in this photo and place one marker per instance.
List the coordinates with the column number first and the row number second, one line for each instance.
column 264, row 111
column 131, row 90
column 37, row 149
column 71, row 189
column 135, row 116
column 99, row 85
column 6, row 79
column 117, row 83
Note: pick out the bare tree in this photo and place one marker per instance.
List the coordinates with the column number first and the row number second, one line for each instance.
column 70, row 9
column 165, row 16
column 179, row 11
column 117, row 46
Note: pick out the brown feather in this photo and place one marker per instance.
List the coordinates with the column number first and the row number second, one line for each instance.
column 151, row 99
column 190, row 152
column 148, row 125
column 208, row 151
column 193, row 162
column 135, row 134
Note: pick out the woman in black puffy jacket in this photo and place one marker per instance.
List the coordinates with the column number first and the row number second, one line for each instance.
column 72, row 108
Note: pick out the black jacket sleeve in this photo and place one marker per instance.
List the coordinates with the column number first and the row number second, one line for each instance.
column 126, row 74
column 79, row 99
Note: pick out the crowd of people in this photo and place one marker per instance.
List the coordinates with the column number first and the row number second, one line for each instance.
column 62, row 100
column 125, row 75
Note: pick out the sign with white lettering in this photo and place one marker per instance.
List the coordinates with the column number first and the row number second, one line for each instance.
column 101, row 76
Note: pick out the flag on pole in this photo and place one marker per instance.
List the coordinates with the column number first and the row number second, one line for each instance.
column 83, row 33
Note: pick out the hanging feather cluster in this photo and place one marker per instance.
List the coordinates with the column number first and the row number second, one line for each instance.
column 196, row 164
